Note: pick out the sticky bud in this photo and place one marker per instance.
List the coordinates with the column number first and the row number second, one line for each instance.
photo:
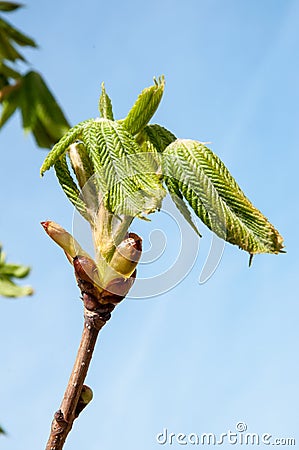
column 117, row 289
column 86, row 271
column 64, row 239
column 127, row 255
column 85, row 398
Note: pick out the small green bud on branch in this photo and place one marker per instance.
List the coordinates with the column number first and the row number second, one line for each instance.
column 85, row 398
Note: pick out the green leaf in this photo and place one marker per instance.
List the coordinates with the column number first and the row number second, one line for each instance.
column 126, row 180
column 9, row 289
column 9, row 6
column 41, row 114
column 11, row 101
column 9, row 37
column 216, row 198
column 144, row 107
column 153, row 139
column 40, row 111
column 62, row 145
column 42, row 134
column 48, row 110
column 178, row 200
column 8, row 72
column 2, row 431
column 7, row 271
column 15, row 35
column 157, row 135
column 105, row 105
column 14, row 270
column 3, row 81
column 69, row 186
column 2, row 257
column 7, row 50
column 28, row 103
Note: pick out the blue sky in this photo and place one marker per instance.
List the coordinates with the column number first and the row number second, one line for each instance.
column 200, row 357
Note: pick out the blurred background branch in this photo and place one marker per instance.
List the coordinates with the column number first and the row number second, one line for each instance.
column 24, row 91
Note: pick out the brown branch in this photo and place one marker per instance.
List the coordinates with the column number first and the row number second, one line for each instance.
column 65, row 416
column 98, row 305
column 96, row 314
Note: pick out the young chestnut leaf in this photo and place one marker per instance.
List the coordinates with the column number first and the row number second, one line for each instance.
column 214, row 195
column 145, row 107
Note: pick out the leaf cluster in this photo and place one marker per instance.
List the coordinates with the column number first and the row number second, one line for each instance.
column 132, row 164
column 8, row 272
column 26, row 92
column 123, row 173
